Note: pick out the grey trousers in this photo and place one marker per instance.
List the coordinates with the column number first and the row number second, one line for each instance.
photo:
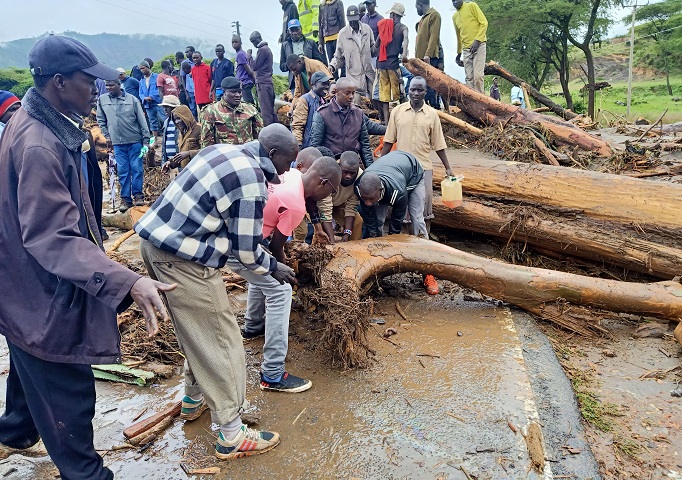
column 415, row 207
column 266, row 100
column 207, row 331
column 268, row 305
column 473, row 67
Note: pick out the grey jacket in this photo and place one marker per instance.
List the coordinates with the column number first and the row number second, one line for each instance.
column 60, row 291
column 122, row 119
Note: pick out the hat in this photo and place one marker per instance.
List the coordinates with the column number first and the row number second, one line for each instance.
column 293, row 23
column 170, row 101
column 58, row 54
column 230, row 83
column 120, row 70
column 398, row 9
column 352, row 13
column 370, row 1
column 319, row 77
column 7, row 99
column 144, row 63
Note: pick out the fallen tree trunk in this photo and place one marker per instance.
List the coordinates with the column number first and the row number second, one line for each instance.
column 494, row 68
column 671, row 127
column 577, row 237
column 461, row 124
column 600, row 195
column 491, row 112
column 355, row 266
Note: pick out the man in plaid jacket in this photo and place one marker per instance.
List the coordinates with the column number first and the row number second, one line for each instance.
column 212, row 210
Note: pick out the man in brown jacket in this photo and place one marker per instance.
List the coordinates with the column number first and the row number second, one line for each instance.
column 303, row 68
column 60, row 290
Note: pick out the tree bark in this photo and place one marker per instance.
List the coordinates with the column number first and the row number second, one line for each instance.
column 577, row 237
column 598, row 195
column 536, row 290
column 491, row 112
column 461, row 124
column 494, row 68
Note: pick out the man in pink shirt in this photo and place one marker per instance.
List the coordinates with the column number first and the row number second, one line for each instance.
column 269, row 302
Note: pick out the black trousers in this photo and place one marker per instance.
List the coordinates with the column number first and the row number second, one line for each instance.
column 55, row 402
column 247, row 94
column 431, row 95
column 330, row 48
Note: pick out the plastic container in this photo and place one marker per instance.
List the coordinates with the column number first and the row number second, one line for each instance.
column 451, row 192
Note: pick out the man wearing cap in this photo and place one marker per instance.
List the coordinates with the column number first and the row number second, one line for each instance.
column 471, row 27
column 372, row 17
column 354, row 50
column 60, row 290
column 332, row 20
column 169, row 145
column 306, row 106
column 230, row 120
column 121, row 118
column 289, row 13
column 149, row 94
column 9, row 104
column 298, row 44
column 302, row 69
column 392, row 45
column 130, row 84
column 262, row 71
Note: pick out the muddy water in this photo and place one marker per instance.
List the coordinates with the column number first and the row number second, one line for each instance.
column 409, row 416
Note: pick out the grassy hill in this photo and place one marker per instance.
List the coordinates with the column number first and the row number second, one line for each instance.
column 113, row 49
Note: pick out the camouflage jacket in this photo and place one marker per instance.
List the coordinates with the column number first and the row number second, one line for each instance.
column 222, row 124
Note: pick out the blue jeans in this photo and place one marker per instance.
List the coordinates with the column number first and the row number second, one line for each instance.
column 130, row 169
column 157, row 116
column 268, row 305
column 192, row 103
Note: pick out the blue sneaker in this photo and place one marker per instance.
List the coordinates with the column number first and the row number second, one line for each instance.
column 192, row 409
column 247, row 442
column 288, row 383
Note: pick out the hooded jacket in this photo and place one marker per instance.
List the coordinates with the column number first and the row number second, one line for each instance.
column 60, row 290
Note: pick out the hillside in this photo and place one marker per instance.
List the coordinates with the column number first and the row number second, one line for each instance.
column 113, row 49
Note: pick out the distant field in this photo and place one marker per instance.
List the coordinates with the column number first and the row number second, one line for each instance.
column 649, row 99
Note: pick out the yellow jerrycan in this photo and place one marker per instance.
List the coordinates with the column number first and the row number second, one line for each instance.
column 451, row 191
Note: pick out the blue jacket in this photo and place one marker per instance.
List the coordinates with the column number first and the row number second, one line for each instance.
column 152, row 91
column 313, row 102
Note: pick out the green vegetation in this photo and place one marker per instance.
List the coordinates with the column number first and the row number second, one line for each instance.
column 16, row 80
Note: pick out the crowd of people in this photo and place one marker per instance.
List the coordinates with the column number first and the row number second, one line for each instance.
column 242, row 186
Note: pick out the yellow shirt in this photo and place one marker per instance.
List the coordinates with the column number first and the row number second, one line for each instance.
column 470, row 25
column 416, row 132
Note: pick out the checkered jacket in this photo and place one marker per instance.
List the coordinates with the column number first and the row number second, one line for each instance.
column 214, row 208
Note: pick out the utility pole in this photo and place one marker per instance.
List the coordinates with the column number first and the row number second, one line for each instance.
column 236, row 25
column 632, row 51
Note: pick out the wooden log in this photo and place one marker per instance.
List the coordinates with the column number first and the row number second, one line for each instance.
column 139, row 428
column 546, row 152
column 671, row 128
column 532, row 289
column 575, row 237
column 494, row 68
column 151, row 434
column 121, row 239
column 599, row 195
column 491, row 112
column 461, row 124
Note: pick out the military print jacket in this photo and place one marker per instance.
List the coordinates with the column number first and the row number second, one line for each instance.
column 221, row 123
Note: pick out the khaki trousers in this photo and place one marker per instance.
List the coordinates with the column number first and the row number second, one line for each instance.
column 473, row 67
column 207, row 331
column 339, row 215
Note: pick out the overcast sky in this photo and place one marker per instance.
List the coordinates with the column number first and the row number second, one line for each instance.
column 205, row 19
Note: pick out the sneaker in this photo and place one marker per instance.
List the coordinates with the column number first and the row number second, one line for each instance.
column 192, row 409
column 431, row 285
column 251, row 335
column 125, row 205
column 34, row 451
column 288, row 383
column 139, row 200
column 247, row 442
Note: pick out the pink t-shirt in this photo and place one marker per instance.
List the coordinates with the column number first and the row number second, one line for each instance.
column 285, row 207
column 168, row 83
